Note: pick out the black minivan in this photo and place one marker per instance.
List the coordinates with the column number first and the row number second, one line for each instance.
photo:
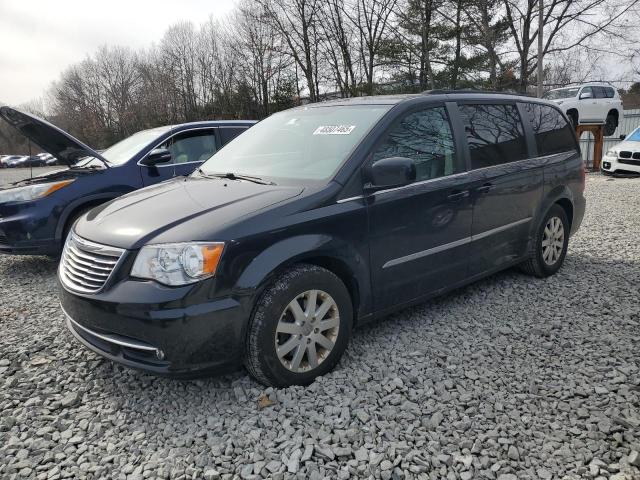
column 319, row 219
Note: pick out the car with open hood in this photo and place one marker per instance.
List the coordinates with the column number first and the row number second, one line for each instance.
column 319, row 219
column 624, row 157
column 36, row 213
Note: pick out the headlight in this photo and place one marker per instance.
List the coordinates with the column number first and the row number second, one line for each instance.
column 611, row 153
column 31, row 192
column 177, row 263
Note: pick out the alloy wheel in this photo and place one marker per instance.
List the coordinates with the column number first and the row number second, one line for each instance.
column 307, row 331
column 552, row 241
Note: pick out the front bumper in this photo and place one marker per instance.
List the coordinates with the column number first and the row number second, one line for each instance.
column 28, row 247
column 159, row 333
column 614, row 164
column 27, row 230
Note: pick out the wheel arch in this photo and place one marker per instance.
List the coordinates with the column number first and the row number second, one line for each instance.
column 333, row 254
column 81, row 204
column 561, row 196
column 341, row 270
column 567, row 206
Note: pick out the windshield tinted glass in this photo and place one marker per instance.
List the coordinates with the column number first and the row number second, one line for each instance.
column 634, row 136
column 561, row 93
column 127, row 148
column 308, row 143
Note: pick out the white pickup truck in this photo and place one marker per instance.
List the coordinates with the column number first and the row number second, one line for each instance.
column 589, row 104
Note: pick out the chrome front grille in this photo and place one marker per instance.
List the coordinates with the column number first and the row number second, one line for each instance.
column 86, row 266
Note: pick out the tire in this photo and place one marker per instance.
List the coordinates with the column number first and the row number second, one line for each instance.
column 272, row 324
column 542, row 262
column 573, row 117
column 610, row 125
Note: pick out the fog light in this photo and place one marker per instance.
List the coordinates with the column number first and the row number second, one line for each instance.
column 606, row 165
column 159, row 354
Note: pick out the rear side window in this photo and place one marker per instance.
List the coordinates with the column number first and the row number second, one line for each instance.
column 494, row 133
column 610, row 92
column 552, row 132
column 229, row 133
column 600, row 92
column 424, row 136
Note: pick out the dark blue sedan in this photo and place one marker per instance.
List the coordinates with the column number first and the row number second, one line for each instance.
column 36, row 214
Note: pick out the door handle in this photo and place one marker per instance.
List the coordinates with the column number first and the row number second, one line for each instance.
column 484, row 188
column 458, row 195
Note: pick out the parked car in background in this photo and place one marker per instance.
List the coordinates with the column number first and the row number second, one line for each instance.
column 624, row 157
column 35, row 214
column 30, row 161
column 17, row 161
column 6, row 159
column 591, row 103
column 45, row 157
column 317, row 219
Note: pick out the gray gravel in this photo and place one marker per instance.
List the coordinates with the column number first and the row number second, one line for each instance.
column 510, row 378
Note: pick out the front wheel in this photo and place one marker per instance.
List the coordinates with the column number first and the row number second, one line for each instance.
column 300, row 327
column 550, row 243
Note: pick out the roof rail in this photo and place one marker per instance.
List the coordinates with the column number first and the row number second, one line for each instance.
column 472, row 91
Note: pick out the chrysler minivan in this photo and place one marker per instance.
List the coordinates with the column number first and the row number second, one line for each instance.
column 317, row 220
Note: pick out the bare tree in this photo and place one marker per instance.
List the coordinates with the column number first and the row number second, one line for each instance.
column 372, row 19
column 179, row 51
column 340, row 46
column 568, row 24
column 296, row 21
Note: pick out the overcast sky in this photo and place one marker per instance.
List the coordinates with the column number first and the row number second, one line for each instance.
column 40, row 38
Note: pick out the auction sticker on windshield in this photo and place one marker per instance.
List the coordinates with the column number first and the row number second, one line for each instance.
column 334, row 130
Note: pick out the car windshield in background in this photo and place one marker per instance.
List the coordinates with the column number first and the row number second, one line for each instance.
column 561, row 93
column 634, row 136
column 125, row 149
column 308, row 143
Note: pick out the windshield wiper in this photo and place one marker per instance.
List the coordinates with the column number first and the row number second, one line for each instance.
column 233, row 176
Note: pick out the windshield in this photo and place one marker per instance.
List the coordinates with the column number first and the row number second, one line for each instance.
column 634, row 136
column 308, row 143
column 125, row 149
column 561, row 93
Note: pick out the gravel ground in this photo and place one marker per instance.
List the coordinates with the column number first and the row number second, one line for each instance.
column 510, row 378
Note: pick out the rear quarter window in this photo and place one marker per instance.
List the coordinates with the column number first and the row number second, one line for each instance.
column 552, row 132
column 495, row 134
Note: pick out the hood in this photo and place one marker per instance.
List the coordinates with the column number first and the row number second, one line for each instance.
column 179, row 210
column 50, row 138
column 628, row 145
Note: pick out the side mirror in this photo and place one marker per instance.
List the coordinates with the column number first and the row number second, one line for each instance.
column 159, row 155
column 585, row 95
column 390, row 173
column 623, row 136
